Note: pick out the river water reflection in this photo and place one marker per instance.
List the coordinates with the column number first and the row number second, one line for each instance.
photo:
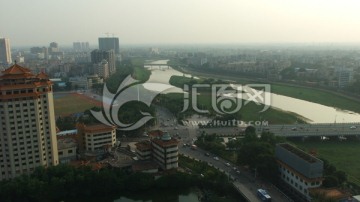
column 315, row 113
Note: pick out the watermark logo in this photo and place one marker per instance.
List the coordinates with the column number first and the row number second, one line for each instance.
column 224, row 123
column 129, row 90
column 227, row 98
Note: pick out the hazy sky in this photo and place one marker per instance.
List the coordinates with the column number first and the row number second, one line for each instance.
column 38, row 22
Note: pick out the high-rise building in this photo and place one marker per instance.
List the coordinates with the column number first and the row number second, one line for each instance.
column 103, row 69
column 81, row 46
column 5, row 51
column 54, row 47
column 97, row 56
column 109, row 43
column 345, row 76
column 27, row 122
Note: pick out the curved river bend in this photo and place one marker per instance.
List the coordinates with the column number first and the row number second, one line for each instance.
column 315, row 113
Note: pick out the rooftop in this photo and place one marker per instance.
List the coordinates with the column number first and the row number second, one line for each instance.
column 16, row 69
column 67, row 132
column 66, row 143
column 145, row 145
column 155, row 133
column 164, row 143
column 95, row 127
column 300, row 153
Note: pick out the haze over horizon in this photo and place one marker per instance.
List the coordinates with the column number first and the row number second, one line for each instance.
column 40, row 22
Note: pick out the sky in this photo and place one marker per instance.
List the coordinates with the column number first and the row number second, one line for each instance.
column 39, row 22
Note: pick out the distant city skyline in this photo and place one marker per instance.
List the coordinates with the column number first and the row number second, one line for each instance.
column 39, row 22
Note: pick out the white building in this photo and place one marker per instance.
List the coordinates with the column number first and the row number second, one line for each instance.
column 97, row 137
column 300, row 172
column 5, row 51
column 27, row 122
column 103, row 69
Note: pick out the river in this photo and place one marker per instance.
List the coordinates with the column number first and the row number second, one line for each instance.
column 313, row 112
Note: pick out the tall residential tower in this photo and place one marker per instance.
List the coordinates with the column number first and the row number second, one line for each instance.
column 97, row 56
column 27, row 122
column 110, row 43
column 5, row 51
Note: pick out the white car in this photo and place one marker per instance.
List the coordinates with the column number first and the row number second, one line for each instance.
column 352, row 127
column 216, row 158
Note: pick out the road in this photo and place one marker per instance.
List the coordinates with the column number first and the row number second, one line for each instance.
column 325, row 129
column 244, row 181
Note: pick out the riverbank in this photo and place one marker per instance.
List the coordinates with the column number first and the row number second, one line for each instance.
column 320, row 96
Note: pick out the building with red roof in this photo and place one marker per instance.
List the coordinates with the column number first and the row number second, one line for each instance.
column 28, row 122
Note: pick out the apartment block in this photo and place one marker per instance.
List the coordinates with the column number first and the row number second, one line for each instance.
column 27, row 122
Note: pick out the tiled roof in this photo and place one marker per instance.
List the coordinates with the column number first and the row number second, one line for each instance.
column 16, row 72
column 42, row 75
column 16, row 69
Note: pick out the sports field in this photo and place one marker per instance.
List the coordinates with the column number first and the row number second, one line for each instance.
column 70, row 103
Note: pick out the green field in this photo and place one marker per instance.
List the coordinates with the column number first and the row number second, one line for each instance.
column 343, row 155
column 67, row 104
column 317, row 96
column 248, row 112
column 303, row 93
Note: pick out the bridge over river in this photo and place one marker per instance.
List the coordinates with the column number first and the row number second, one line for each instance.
column 320, row 129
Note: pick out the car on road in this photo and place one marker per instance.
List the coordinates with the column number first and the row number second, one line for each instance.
column 294, row 128
column 352, row 127
column 216, row 158
column 207, row 154
column 227, row 164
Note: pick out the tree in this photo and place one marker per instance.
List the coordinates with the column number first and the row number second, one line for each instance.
column 250, row 134
column 330, row 181
column 341, row 176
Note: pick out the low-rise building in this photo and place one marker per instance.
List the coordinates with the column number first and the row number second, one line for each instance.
column 96, row 137
column 80, row 82
column 66, row 149
column 163, row 150
column 299, row 171
column 166, row 151
column 144, row 150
